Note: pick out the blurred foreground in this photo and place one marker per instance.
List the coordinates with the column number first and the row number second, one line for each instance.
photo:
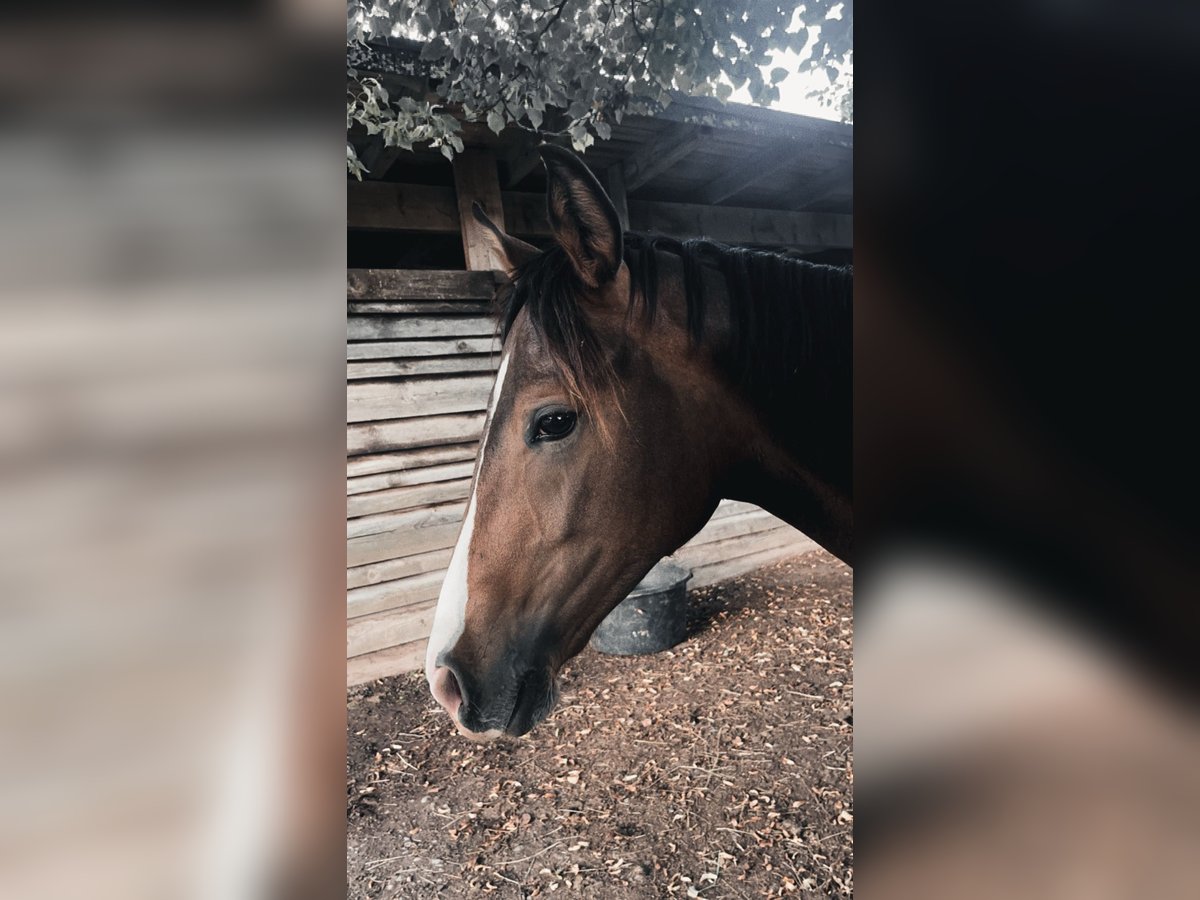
column 171, row 324
column 1026, row 608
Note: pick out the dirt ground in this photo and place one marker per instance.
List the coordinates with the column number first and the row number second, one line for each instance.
column 721, row 768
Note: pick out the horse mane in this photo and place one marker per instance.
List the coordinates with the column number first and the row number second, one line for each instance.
column 789, row 318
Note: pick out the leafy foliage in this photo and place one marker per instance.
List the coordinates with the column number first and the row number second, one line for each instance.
column 510, row 62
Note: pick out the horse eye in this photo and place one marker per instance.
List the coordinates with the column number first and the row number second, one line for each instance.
column 553, row 426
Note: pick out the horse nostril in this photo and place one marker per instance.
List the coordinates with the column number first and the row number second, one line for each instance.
column 446, row 690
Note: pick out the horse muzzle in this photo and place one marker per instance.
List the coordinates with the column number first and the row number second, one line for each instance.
column 483, row 709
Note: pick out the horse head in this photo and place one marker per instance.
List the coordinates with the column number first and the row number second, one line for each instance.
column 605, row 437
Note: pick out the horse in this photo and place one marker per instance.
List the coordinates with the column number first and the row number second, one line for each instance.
column 642, row 379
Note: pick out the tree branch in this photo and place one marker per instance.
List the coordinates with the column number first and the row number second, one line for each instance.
column 554, row 18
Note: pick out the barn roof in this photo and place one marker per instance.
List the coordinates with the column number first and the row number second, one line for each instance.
column 698, row 150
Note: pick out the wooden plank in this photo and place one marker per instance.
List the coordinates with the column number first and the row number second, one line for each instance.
column 415, row 520
column 419, row 348
column 407, row 207
column 412, row 461
column 408, row 657
column 477, row 181
column 821, row 187
column 405, row 478
column 418, row 307
column 731, row 526
column 410, row 497
column 377, row 632
column 392, row 569
column 742, row 174
column 373, row 401
column 525, row 215
column 662, row 153
column 694, row 557
column 375, row 548
column 731, row 568
column 733, row 224
column 732, row 508
column 399, row 594
column 432, row 528
column 750, row 122
column 408, row 434
column 437, row 365
column 378, row 328
column 419, row 284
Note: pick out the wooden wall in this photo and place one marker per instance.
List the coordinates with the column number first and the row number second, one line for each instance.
column 421, row 358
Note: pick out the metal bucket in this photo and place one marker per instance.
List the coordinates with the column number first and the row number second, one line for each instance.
column 652, row 618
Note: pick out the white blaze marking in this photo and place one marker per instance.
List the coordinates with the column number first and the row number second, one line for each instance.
column 450, row 616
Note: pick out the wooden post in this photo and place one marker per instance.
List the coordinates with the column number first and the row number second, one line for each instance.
column 476, row 179
column 614, row 183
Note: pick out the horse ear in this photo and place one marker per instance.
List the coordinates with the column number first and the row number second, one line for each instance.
column 512, row 251
column 582, row 217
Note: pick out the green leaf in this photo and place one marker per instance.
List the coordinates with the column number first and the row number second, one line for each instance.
column 447, row 152
column 724, row 91
column 535, row 117
column 581, row 138
column 495, row 121
column 778, row 74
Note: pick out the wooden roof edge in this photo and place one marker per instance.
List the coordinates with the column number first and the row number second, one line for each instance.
column 401, row 56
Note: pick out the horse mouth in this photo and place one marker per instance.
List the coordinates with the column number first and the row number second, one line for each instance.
column 536, row 696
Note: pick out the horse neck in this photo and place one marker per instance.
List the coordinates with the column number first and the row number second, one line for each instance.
column 797, row 463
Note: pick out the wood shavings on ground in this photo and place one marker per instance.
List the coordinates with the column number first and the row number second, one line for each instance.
column 719, row 769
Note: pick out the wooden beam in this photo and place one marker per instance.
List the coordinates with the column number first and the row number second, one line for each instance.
column 752, row 121
column 389, row 629
column 418, row 284
column 660, row 154
column 739, row 225
column 418, row 307
column 743, row 174
column 824, row 185
column 404, row 398
column 392, row 368
column 714, row 572
column 730, row 224
column 402, row 593
column 391, row 569
column 397, row 206
column 412, row 497
column 408, row 471
column 390, row 328
column 476, row 181
column 614, row 183
column 409, row 349
column 406, row 207
column 405, row 523
column 411, row 434
column 392, row 661
column 421, row 464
